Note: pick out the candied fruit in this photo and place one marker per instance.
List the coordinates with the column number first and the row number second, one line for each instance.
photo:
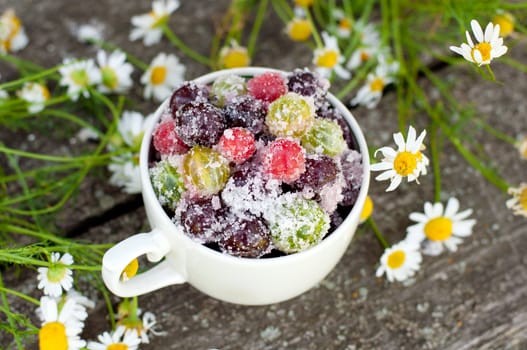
column 325, row 136
column 200, row 123
column 284, row 159
column 246, row 112
column 188, row 92
column 225, row 89
column 255, row 167
column 246, row 237
column 290, row 115
column 202, row 219
column 166, row 141
column 168, row 183
column 267, row 86
column 237, row 145
column 297, row 223
column 307, row 83
column 206, row 169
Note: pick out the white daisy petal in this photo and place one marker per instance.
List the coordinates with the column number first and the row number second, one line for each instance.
column 476, row 29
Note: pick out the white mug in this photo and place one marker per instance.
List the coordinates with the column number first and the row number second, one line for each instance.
column 233, row 279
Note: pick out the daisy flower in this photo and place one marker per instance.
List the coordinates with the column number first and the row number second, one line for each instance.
column 234, row 56
column 298, row 29
column 506, row 22
column 35, row 95
column 406, row 161
column 370, row 94
column 118, row 339
column 440, row 227
column 518, row 202
column 125, row 174
column 328, row 58
column 162, row 76
column 344, row 23
column 12, row 35
column 400, row 262
column 366, row 210
column 78, row 310
column 78, row 76
column 360, row 56
column 489, row 44
column 521, row 145
column 57, row 276
column 131, row 128
column 60, row 329
column 148, row 26
column 87, row 32
column 115, row 72
column 130, row 270
column 140, row 327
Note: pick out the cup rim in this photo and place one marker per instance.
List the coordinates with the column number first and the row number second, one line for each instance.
column 147, row 189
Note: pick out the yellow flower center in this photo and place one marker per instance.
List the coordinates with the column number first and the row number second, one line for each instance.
column 303, row 2
column 235, row 57
column 45, row 92
column 506, row 22
column 13, row 25
column 367, row 209
column 79, row 77
column 438, row 229
column 377, row 85
column 299, row 29
column 158, row 75
column 56, row 273
column 52, row 336
column 364, row 56
column 131, row 269
column 158, row 21
column 396, row 259
column 328, row 59
column 405, row 163
column 117, row 346
column 345, row 24
column 109, row 77
column 523, row 198
column 484, row 49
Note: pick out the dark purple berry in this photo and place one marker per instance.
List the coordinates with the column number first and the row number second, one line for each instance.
column 320, row 171
column 352, row 170
column 202, row 219
column 200, row 123
column 188, row 92
column 246, row 237
column 246, row 112
column 307, row 83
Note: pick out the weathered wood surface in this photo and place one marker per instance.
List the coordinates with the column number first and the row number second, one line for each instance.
column 471, row 299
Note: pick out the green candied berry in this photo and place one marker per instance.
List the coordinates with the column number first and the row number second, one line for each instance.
column 325, row 137
column 226, row 88
column 168, row 183
column 290, row 115
column 297, row 223
column 206, row 169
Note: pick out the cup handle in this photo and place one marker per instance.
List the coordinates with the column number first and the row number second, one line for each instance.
column 155, row 246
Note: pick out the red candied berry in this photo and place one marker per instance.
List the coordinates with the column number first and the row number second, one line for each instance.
column 237, row 145
column 284, row 159
column 166, row 141
column 267, row 86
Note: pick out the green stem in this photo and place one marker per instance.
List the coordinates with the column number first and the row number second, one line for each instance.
column 434, row 154
column 378, row 233
column 314, row 30
column 18, row 294
column 12, row 323
column 253, row 36
column 33, row 77
column 186, row 50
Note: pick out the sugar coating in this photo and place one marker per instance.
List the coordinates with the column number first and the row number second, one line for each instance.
column 325, row 137
column 296, row 223
column 206, row 169
column 226, row 88
column 291, row 115
column 167, row 182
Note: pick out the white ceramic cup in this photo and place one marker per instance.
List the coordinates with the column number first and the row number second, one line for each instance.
column 228, row 278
